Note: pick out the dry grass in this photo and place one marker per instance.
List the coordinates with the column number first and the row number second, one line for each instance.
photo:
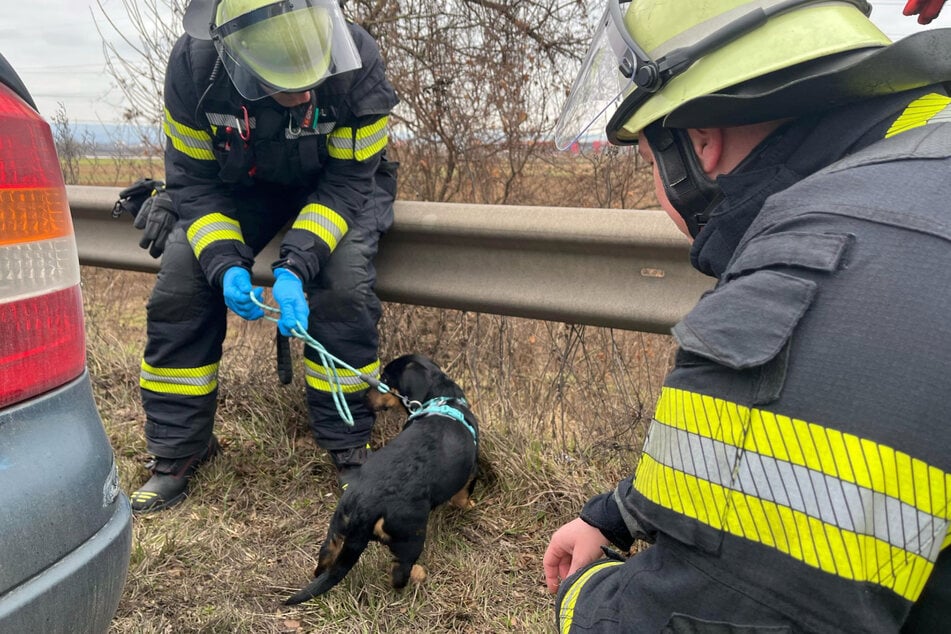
column 563, row 409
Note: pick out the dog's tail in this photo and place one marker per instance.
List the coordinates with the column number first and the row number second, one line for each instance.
column 334, row 572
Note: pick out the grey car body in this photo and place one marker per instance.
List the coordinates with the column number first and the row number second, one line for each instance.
column 65, row 525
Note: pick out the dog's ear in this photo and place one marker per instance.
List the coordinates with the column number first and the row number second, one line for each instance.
column 416, row 381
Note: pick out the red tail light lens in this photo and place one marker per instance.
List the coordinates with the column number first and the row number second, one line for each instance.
column 42, row 341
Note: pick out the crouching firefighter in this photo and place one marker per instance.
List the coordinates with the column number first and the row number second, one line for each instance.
column 796, row 475
column 275, row 115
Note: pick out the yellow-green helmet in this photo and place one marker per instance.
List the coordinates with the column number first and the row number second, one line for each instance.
column 269, row 47
column 656, row 60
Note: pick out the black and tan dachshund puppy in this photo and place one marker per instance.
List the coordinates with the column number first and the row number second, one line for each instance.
column 431, row 461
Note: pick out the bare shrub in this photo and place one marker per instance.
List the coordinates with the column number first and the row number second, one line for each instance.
column 71, row 146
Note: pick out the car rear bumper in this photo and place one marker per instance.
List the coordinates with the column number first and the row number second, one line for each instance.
column 66, row 527
column 80, row 592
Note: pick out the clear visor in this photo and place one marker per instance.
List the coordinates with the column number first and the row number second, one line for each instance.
column 600, row 84
column 286, row 47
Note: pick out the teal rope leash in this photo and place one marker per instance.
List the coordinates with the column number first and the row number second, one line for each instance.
column 332, row 362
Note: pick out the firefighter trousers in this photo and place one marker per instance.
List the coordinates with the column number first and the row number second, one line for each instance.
column 187, row 323
column 659, row 590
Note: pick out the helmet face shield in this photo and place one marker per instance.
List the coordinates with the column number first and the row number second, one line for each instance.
column 600, row 84
column 288, row 46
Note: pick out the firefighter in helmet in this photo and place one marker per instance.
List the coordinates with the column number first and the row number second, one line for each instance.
column 796, row 475
column 275, row 115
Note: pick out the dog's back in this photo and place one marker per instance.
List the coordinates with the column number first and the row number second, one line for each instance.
column 432, row 461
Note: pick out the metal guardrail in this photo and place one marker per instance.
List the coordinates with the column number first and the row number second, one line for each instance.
column 603, row 267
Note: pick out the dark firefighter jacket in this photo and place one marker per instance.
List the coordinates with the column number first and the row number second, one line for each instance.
column 219, row 143
column 800, row 449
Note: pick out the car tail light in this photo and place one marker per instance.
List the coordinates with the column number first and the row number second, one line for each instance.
column 42, row 340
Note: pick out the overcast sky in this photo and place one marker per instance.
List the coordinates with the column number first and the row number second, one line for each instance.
column 54, row 46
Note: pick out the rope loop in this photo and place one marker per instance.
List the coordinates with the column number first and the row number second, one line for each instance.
column 331, row 362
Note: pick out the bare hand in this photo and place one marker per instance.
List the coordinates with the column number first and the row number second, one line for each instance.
column 574, row 545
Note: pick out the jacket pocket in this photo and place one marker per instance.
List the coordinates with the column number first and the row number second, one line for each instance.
column 683, row 624
column 746, row 322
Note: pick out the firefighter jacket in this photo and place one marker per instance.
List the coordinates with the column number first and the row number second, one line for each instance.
column 800, row 450
column 218, row 143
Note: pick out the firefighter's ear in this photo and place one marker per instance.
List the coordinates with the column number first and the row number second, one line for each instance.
column 708, row 146
column 721, row 150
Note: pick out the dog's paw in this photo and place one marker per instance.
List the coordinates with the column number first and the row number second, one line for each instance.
column 417, row 574
column 462, row 500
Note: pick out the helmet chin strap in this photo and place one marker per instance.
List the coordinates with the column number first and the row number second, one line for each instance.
column 690, row 191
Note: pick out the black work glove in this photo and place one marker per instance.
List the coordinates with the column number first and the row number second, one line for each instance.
column 132, row 197
column 157, row 217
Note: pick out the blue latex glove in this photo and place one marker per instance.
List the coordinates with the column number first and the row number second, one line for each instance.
column 288, row 292
column 236, row 286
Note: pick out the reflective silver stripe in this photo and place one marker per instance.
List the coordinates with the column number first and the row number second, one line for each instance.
column 184, row 381
column 942, row 117
column 189, row 141
column 633, row 526
column 829, row 499
column 212, row 228
column 322, row 128
column 340, row 144
column 324, row 375
column 179, row 380
column 219, row 119
column 323, row 222
column 371, row 139
column 321, row 378
column 298, row 132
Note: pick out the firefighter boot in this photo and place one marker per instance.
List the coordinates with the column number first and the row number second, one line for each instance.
column 169, row 482
column 347, row 461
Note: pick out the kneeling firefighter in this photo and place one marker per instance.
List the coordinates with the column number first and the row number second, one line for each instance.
column 796, row 475
column 275, row 115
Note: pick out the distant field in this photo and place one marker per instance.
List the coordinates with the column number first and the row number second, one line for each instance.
column 111, row 171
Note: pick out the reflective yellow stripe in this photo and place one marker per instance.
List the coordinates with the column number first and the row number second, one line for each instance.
column 212, row 228
column 566, row 612
column 371, row 139
column 142, row 497
column 931, row 108
column 189, row 141
column 848, row 506
column 319, row 377
column 340, row 144
column 322, row 221
column 361, row 144
column 183, row 381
